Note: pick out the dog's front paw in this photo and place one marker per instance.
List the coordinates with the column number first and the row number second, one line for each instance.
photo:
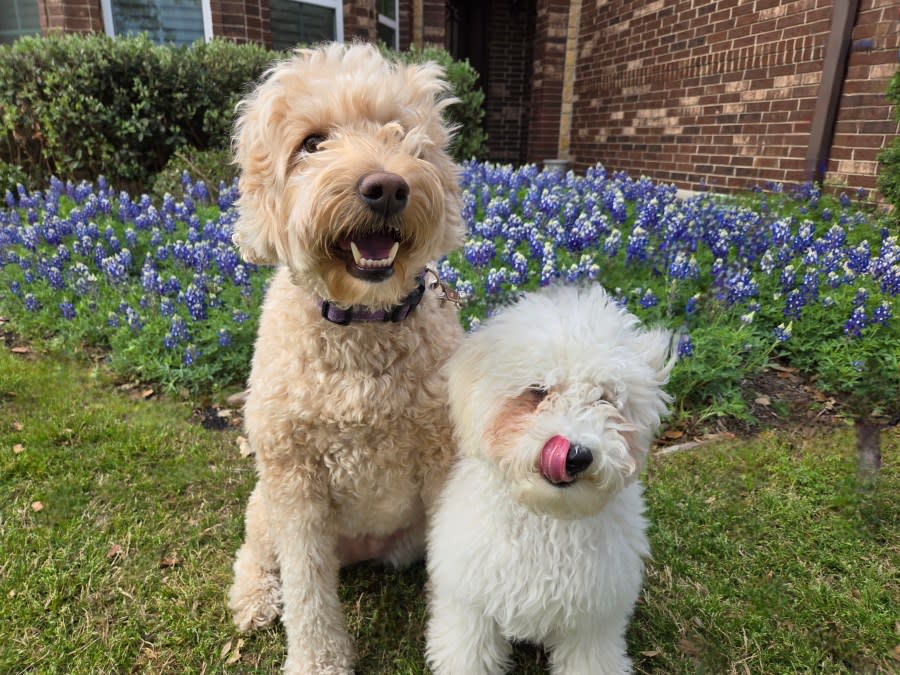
column 255, row 601
column 337, row 659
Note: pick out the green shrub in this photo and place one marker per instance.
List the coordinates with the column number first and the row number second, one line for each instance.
column 889, row 158
column 212, row 166
column 470, row 141
column 80, row 106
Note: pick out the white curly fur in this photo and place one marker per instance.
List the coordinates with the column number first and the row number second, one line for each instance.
column 348, row 423
column 510, row 555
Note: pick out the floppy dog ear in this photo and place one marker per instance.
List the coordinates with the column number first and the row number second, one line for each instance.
column 259, row 152
column 658, row 349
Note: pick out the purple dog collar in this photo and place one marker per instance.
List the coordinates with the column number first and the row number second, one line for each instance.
column 344, row 317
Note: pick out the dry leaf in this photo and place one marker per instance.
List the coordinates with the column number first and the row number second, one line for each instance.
column 17, row 426
column 37, row 506
column 169, row 561
column 652, row 652
column 11, row 594
column 762, row 400
column 709, row 500
column 244, row 446
column 114, row 551
column 225, row 649
column 673, row 434
column 224, row 412
column 20, row 350
column 18, row 447
column 687, row 647
column 147, row 393
column 782, row 369
column 235, row 653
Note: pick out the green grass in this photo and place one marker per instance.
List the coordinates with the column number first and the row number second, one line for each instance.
column 766, row 558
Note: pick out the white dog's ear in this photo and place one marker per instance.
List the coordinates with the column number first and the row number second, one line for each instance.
column 465, row 372
column 658, row 348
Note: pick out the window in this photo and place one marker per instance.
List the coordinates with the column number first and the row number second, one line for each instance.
column 180, row 22
column 18, row 18
column 388, row 26
column 294, row 22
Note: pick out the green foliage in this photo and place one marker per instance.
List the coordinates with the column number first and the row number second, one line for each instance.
column 470, row 141
column 81, row 106
column 213, row 167
column 708, row 383
column 889, row 158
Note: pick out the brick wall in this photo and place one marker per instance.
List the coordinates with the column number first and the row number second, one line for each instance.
column 507, row 80
column 241, row 20
column 865, row 122
column 723, row 92
column 71, row 16
column 550, row 30
column 434, row 21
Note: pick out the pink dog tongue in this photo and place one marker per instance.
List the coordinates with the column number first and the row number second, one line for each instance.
column 375, row 246
column 553, row 460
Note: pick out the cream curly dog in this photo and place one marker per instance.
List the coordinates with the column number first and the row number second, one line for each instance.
column 540, row 534
column 346, row 184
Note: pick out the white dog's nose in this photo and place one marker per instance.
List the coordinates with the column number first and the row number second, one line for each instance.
column 385, row 193
column 578, row 459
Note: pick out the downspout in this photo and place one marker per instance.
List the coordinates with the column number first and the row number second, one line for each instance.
column 568, row 92
column 828, row 99
column 418, row 23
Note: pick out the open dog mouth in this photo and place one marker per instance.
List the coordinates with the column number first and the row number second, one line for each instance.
column 370, row 255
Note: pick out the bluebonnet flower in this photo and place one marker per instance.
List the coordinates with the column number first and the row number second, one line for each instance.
column 783, row 333
column 190, row 356
column 223, row 337
column 691, row 305
column 794, row 304
column 882, row 313
column 31, row 303
column 494, row 282
column 649, row 299
column 856, row 322
column 685, row 346
column 67, row 309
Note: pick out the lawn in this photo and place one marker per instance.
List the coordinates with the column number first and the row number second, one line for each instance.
column 121, row 513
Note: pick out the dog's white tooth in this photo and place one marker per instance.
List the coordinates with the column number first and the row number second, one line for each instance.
column 392, row 254
column 356, row 255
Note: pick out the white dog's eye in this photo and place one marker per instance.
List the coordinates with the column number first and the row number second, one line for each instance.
column 311, row 143
column 536, row 393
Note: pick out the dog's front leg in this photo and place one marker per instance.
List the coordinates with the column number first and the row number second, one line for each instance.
column 317, row 639
column 461, row 640
column 591, row 649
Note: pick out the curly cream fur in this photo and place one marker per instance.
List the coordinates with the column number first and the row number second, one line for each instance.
column 348, row 423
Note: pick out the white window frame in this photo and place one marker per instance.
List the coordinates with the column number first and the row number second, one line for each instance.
column 393, row 24
column 338, row 7
column 205, row 10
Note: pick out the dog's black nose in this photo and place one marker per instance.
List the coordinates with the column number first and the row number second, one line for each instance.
column 578, row 459
column 385, row 193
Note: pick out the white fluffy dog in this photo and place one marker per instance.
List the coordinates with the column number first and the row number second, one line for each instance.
column 346, row 184
column 539, row 534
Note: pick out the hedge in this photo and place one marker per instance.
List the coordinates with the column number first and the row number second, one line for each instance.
column 78, row 107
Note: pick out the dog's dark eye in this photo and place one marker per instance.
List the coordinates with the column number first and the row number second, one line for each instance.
column 537, row 393
column 311, row 143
